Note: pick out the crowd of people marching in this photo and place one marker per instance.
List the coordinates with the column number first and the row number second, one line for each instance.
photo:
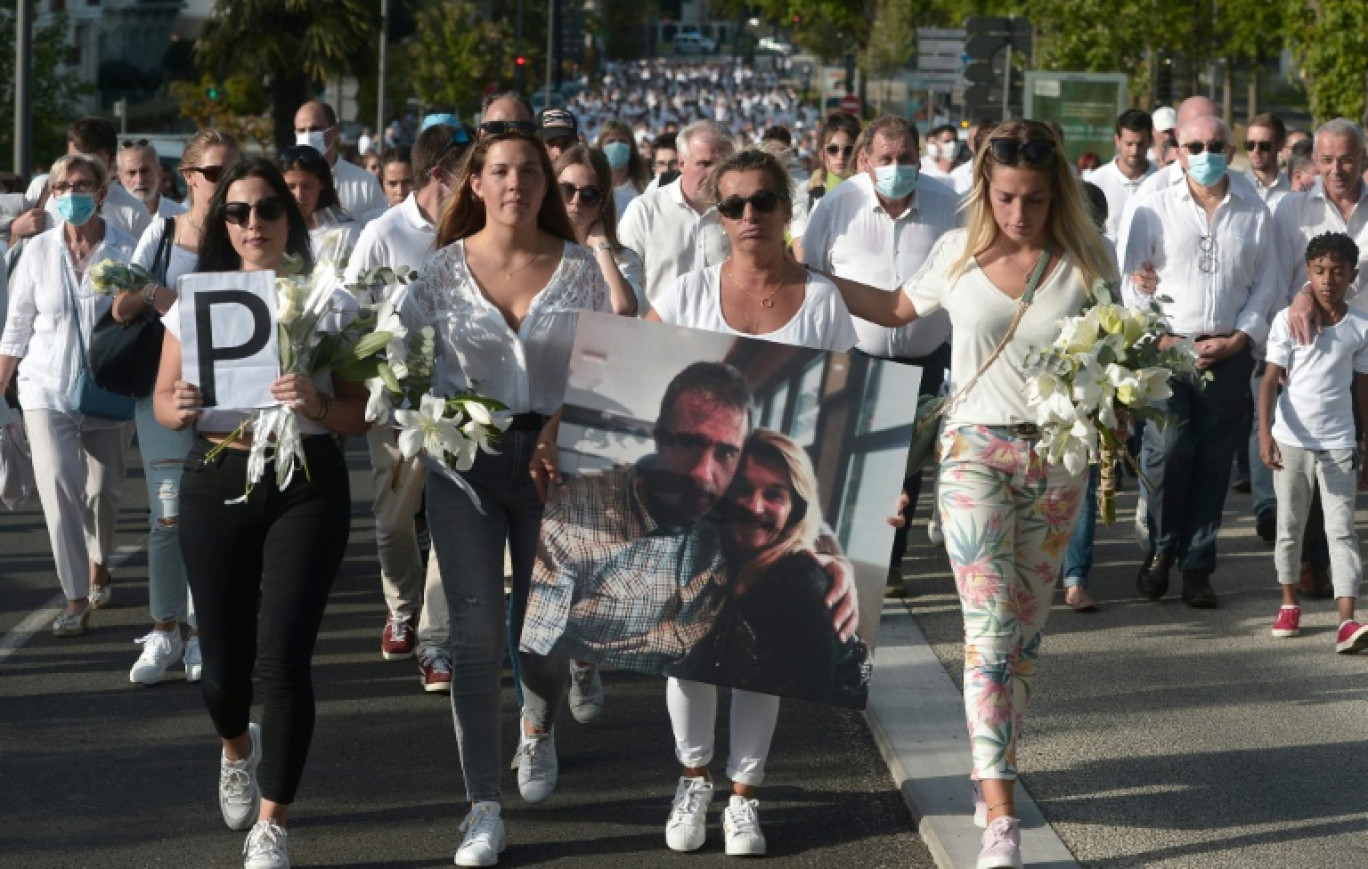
column 709, row 197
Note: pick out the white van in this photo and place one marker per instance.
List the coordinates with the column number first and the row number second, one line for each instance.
column 693, row 42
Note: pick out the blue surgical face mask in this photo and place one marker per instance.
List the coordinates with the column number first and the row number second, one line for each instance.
column 618, row 153
column 1206, row 168
column 895, row 181
column 76, row 208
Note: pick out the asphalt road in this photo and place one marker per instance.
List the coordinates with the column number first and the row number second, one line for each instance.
column 98, row 772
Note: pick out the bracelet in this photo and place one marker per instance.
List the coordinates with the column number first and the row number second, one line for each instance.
column 323, row 410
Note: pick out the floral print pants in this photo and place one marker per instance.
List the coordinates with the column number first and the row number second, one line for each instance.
column 1007, row 519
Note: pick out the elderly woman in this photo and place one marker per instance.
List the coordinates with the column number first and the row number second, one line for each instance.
column 1026, row 260
column 78, row 459
column 757, row 291
column 585, row 180
column 332, row 231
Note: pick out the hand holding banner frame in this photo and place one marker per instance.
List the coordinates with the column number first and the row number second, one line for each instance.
column 230, row 347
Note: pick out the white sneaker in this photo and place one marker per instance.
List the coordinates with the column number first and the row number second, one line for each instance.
column 687, row 829
column 484, row 836
column 1001, row 845
column 267, row 847
column 239, row 796
column 933, row 528
column 741, row 826
column 586, row 693
column 161, row 649
column 101, row 595
column 194, row 664
column 1141, row 529
column 538, row 768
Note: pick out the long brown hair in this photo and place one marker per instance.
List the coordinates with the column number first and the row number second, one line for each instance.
column 583, row 155
column 1070, row 224
column 464, row 214
column 805, row 518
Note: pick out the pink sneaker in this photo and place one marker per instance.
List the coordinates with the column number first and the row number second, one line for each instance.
column 1288, row 623
column 1001, row 845
column 1352, row 638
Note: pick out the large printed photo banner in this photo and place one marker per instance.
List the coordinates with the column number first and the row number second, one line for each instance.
column 229, row 343
column 717, row 489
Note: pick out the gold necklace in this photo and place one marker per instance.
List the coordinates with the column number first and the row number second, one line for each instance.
column 766, row 301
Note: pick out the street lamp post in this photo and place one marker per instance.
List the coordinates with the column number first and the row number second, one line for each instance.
column 23, row 88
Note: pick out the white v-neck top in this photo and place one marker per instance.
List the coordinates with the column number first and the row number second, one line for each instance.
column 476, row 348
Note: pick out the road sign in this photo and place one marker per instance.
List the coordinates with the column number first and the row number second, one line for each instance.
column 850, row 104
column 934, row 81
column 1084, row 103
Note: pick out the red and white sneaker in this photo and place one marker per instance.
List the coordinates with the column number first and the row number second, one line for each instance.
column 1352, row 638
column 1288, row 623
column 397, row 640
column 434, row 668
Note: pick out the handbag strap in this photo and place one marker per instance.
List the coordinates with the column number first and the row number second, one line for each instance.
column 1022, row 304
column 161, row 263
column 67, row 271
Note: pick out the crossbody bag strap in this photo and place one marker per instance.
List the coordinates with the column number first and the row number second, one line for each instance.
column 1022, row 304
column 161, row 263
column 67, row 271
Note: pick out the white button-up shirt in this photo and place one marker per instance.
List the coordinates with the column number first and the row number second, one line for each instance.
column 1118, row 189
column 670, row 237
column 401, row 236
column 1219, row 275
column 357, row 190
column 1301, row 217
column 851, row 235
column 1170, row 176
column 1273, row 193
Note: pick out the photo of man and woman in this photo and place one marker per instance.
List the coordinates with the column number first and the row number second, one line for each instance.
column 722, row 512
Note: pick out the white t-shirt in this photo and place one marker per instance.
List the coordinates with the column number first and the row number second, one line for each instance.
column 623, row 194
column 1316, row 410
column 980, row 314
column 822, row 323
column 182, row 261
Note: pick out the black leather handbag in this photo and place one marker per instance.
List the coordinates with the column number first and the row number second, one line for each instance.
column 124, row 357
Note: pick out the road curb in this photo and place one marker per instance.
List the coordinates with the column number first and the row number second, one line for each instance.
column 917, row 718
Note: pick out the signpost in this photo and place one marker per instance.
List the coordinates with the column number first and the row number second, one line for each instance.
column 1085, row 104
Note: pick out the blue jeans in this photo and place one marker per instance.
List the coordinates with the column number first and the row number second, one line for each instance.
column 1188, row 462
column 163, row 454
column 1079, row 557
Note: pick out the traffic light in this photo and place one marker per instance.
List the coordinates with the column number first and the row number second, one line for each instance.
column 995, row 51
column 214, row 93
column 520, row 60
column 1163, row 86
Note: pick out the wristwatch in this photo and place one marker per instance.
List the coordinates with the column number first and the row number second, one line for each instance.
column 602, row 246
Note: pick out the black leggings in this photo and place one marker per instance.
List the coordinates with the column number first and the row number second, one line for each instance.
column 260, row 573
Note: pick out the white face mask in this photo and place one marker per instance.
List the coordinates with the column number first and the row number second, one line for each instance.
column 933, row 150
column 318, row 140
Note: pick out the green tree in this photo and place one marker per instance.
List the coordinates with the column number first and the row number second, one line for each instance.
column 892, row 42
column 1328, row 39
column 55, row 91
column 456, row 52
column 292, row 45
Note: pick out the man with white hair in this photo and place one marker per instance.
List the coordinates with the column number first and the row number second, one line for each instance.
column 672, row 228
column 140, row 174
column 1212, row 245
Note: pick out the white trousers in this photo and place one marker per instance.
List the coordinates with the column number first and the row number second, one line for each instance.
column 693, row 716
column 79, row 475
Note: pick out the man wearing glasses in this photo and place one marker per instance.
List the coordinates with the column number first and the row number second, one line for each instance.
column 1207, row 247
column 1263, row 143
column 508, row 110
column 315, row 125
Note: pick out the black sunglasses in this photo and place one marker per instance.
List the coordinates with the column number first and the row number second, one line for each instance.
column 589, row 195
column 270, row 208
column 300, row 154
column 212, row 174
column 763, row 201
column 1033, row 152
column 135, row 143
column 843, row 150
column 494, row 128
column 1261, row 147
column 1215, row 146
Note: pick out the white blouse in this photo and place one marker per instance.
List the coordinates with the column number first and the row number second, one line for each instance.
column 478, row 351
column 40, row 326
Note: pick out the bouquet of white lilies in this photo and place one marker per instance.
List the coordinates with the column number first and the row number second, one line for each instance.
column 1106, row 366
column 111, row 276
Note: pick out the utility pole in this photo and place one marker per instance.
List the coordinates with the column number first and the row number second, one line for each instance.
column 384, row 68
column 550, row 47
column 23, row 88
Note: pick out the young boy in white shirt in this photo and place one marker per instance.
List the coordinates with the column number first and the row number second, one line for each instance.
column 1313, row 437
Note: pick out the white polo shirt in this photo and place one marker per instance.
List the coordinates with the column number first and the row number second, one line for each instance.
column 357, row 189
column 1301, row 217
column 1118, row 189
column 670, row 237
column 851, row 235
column 401, row 236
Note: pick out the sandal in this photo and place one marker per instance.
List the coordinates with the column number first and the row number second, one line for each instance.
column 1078, row 599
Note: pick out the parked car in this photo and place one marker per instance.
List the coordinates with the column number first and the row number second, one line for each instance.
column 773, row 45
column 693, row 42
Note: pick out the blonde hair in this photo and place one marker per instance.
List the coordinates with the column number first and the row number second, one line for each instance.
column 1070, row 224
column 95, row 166
column 195, row 148
column 805, row 517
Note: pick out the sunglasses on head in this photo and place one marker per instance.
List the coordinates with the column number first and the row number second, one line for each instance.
column 1215, row 146
column 843, row 150
column 270, row 208
column 495, row 128
column 1261, row 147
column 135, row 143
column 763, row 201
column 300, row 154
column 1033, row 152
column 589, row 195
column 212, row 174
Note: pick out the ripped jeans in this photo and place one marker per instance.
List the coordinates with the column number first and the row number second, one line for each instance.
column 163, row 454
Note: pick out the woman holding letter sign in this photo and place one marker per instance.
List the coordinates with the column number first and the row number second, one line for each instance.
column 758, row 291
column 260, row 567
column 1006, row 514
column 78, row 459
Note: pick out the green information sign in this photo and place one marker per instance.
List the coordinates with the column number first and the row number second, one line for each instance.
column 1085, row 104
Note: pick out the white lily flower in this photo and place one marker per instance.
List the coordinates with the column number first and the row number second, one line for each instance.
column 463, row 450
column 425, row 428
column 378, row 403
column 396, row 350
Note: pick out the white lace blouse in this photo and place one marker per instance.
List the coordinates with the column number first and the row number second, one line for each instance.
column 476, row 348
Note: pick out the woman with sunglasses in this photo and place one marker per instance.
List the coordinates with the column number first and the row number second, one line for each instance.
column 835, row 155
column 502, row 292
column 584, row 178
column 332, row 231
column 758, row 291
column 168, row 249
column 1007, row 516
column 260, row 568
column 631, row 172
column 78, row 460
